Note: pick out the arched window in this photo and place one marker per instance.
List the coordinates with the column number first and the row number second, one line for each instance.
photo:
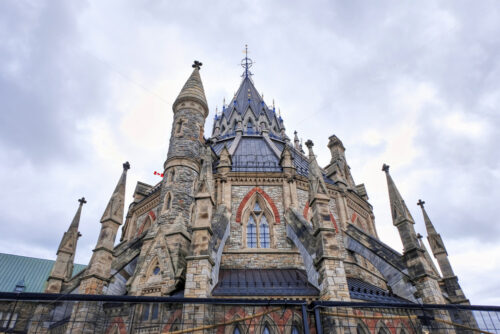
column 295, row 330
column 236, row 330
column 258, row 231
column 266, row 330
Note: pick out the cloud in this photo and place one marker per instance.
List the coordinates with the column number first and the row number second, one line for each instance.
column 412, row 85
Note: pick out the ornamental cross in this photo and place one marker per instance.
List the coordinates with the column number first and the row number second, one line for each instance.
column 126, row 166
column 420, row 203
column 82, row 201
column 197, row 64
column 385, row 168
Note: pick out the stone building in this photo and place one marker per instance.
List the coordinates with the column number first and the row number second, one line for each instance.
column 247, row 213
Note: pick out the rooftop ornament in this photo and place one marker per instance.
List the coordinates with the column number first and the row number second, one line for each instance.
column 246, row 63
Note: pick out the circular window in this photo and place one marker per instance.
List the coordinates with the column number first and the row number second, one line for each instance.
column 156, row 270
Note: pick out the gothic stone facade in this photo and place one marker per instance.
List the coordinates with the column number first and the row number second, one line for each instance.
column 248, row 205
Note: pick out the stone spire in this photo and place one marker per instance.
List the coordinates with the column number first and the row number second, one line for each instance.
column 338, row 169
column 399, row 210
column 296, row 141
column 193, row 90
column 63, row 267
column 99, row 268
column 115, row 208
column 419, row 268
column 436, row 243
column 427, row 256
column 451, row 285
column 316, row 182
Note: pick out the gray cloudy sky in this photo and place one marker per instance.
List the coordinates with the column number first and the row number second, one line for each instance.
column 86, row 85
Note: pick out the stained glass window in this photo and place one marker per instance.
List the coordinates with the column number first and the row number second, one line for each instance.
column 251, row 233
column 265, row 239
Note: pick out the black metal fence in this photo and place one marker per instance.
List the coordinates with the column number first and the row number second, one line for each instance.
column 52, row 313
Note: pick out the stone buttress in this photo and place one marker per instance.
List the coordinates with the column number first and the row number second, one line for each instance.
column 330, row 250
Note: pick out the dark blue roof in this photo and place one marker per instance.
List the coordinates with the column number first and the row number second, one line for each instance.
column 264, row 282
column 361, row 290
column 217, row 147
column 254, row 154
column 247, row 96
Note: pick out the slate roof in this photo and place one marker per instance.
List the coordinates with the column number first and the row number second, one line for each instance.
column 361, row 290
column 264, row 282
column 254, row 154
column 247, row 96
column 34, row 272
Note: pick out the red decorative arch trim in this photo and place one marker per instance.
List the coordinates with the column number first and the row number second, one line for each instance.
column 266, row 197
column 151, row 215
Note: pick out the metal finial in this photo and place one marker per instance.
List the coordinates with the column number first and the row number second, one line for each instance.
column 420, row 203
column 126, row 166
column 309, row 143
column 246, row 63
column 82, row 201
column 197, row 64
column 385, row 168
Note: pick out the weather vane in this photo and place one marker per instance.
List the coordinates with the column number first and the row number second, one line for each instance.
column 246, row 63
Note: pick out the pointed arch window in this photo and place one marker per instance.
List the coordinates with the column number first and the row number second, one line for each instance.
column 266, row 330
column 295, row 330
column 258, row 231
column 236, row 330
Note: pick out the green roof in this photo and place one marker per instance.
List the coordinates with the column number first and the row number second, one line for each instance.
column 34, row 272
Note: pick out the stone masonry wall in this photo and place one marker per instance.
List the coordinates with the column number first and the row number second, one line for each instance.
column 283, row 254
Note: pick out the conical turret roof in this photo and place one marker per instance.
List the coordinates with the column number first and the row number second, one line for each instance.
column 193, row 90
column 246, row 97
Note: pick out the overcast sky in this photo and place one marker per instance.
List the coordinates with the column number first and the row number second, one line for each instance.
column 87, row 85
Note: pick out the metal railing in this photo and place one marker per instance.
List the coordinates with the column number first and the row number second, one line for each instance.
column 57, row 313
